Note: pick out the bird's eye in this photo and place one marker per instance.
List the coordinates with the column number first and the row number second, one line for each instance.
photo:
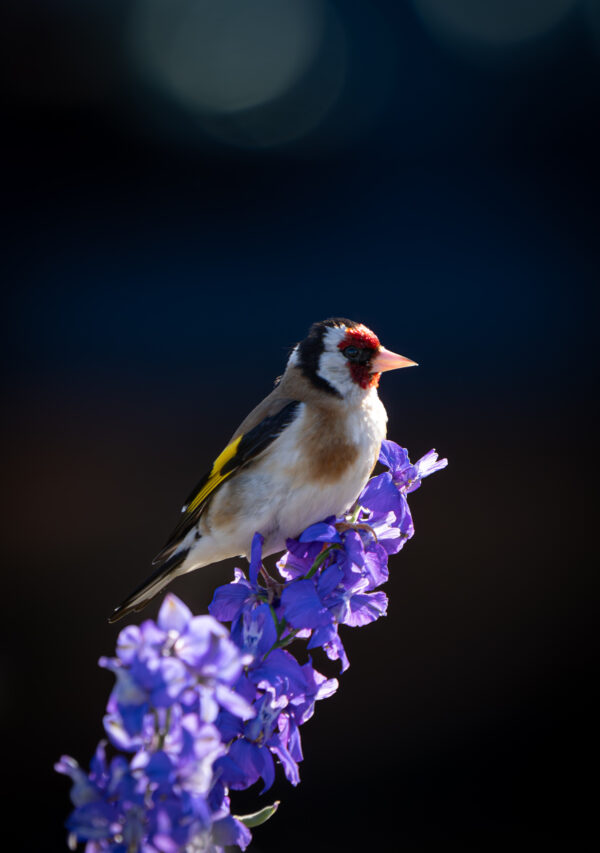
column 352, row 353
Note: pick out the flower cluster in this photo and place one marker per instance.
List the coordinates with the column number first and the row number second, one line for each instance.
column 173, row 680
column 200, row 710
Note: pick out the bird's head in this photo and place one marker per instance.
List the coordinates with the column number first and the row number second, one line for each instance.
column 344, row 358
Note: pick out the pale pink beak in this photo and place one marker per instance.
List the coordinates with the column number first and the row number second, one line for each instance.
column 386, row 360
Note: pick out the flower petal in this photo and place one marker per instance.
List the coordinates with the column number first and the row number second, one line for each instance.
column 233, row 702
column 231, row 832
column 290, row 767
column 302, row 606
column 173, row 615
column 256, row 557
column 393, row 456
column 229, row 599
column 366, row 607
column 380, row 495
column 429, row 463
column 323, row 531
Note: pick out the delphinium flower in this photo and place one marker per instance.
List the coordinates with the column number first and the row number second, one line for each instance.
column 173, row 677
column 281, row 689
column 202, row 710
column 331, row 577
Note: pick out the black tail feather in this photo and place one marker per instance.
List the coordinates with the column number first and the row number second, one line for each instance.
column 143, row 594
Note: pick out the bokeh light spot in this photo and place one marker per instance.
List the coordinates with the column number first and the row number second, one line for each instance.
column 493, row 22
column 226, row 55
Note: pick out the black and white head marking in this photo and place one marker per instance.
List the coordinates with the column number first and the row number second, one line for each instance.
column 320, row 359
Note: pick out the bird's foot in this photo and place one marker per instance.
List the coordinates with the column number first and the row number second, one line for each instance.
column 274, row 587
column 343, row 526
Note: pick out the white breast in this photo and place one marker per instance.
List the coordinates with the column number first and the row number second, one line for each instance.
column 296, row 503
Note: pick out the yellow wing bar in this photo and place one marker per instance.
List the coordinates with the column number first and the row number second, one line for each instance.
column 216, row 475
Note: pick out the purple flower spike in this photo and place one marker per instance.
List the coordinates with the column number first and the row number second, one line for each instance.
column 198, row 711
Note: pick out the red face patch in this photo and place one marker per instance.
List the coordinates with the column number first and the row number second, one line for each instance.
column 360, row 374
column 362, row 338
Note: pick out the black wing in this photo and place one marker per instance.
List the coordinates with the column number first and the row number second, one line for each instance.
column 237, row 454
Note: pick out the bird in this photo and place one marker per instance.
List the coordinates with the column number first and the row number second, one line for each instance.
column 303, row 454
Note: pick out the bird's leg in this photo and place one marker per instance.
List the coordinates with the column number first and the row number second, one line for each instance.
column 342, row 526
column 273, row 586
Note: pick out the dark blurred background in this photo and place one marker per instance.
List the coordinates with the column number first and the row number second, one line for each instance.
column 188, row 185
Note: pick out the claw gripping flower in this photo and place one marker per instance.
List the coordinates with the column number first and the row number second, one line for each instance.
column 199, row 710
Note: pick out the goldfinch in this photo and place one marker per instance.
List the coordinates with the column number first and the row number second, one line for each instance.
column 301, row 455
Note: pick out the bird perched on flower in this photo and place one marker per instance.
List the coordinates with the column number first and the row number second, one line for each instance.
column 301, row 455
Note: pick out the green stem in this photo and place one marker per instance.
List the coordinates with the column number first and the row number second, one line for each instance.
column 355, row 514
column 280, row 626
column 281, row 644
column 321, row 559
